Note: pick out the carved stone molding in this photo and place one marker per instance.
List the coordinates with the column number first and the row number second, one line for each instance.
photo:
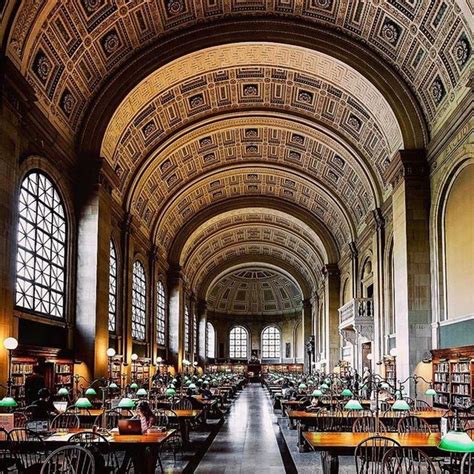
column 365, row 329
column 407, row 164
column 331, row 270
column 349, row 336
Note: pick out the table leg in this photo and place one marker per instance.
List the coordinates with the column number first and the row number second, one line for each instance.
column 329, row 462
column 184, row 428
column 301, row 442
column 145, row 460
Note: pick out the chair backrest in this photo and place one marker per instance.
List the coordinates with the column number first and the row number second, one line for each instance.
column 161, row 418
column 65, row 421
column 421, row 405
column 413, row 424
column 28, row 448
column 370, row 452
column 20, row 434
column 407, row 461
column 100, row 448
column 70, row 459
column 19, row 419
column 182, row 404
column 367, row 424
column 467, row 464
column 111, row 418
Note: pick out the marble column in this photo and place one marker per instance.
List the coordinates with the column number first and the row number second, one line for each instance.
column 331, row 315
column 93, row 263
column 408, row 174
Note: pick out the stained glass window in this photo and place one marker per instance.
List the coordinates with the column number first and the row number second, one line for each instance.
column 210, row 341
column 238, row 343
column 160, row 314
column 112, row 288
column 271, row 343
column 138, row 302
column 41, row 254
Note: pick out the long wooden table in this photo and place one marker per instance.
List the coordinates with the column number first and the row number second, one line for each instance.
column 144, row 450
column 335, row 444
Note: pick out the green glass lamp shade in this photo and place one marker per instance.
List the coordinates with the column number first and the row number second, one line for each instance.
column 134, row 386
column 324, row 386
column 430, row 392
column 347, row 393
column 327, row 381
column 302, row 386
column 8, row 402
column 113, row 386
column 171, row 386
column 384, row 385
column 174, row 381
column 141, row 392
column 401, row 405
column 83, row 402
column 192, row 386
column 317, row 393
column 170, row 392
column 353, row 405
column 91, row 391
column 126, row 403
column 188, row 382
column 63, row 392
column 457, row 442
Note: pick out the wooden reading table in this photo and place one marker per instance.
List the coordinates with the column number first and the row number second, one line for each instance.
column 334, row 444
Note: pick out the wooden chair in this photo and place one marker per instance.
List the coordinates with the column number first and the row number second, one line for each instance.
column 28, row 449
column 407, row 461
column 370, row 452
column 421, row 405
column 413, row 424
column 65, row 421
column 112, row 418
column 19, row 419
column 105, row 458
column 182, row 404
column 69, row 459
column 367, row 424
column 467, row 464
column 7, row 459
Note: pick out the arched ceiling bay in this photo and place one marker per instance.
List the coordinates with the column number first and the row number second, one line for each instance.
column 67, row 50
column 264, row 218
column 254, row 290
column 258, row 181
column 251, row 75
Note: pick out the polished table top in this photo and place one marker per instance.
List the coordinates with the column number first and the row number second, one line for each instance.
column 435, row 414
column 328, row 440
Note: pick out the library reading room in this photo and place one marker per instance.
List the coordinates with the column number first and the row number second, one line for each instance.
column 236, row 236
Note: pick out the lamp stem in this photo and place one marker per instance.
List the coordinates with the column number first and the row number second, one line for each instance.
column 9, row 381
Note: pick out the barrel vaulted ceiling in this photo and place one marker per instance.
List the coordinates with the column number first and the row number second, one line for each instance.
column 244, row 132
column 68, row 50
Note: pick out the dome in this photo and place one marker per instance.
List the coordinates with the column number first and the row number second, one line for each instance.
column 258, row 291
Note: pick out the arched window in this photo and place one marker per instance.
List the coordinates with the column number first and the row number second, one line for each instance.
column 271, row 343
column 210, row 341
column 138, row 302
column 238, row 341
column 112, row 288
column 41, row 254
column 186, row 328
column 160, row 314
column 195, row 333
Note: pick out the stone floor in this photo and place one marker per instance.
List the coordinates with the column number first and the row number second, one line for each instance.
column 253, row 438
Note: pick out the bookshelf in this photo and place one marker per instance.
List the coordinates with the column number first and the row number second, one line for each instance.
column 142, row 371
column 21, row 368
column 63, row 375
column 453, row 376
column 390, row 370
column 116, row 369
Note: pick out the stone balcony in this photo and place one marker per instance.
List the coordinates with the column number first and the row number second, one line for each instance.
column 356, row 318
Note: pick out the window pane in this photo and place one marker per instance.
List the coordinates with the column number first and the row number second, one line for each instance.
column 160, row 314
column 271, row 343
column 238, row 343
column 210, row 340
column 138, row 302
column 194, row 334
column 112, row 288
column 186, row 328
column 41, row 254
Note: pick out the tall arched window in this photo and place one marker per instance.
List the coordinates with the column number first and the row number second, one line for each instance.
column 41, row 254
column 112, row 288
column 138, row 302
column 160, row 314
column 271, row 343
column 210, row 341
column 238, row 342
column 195, row 333
column 186, row 328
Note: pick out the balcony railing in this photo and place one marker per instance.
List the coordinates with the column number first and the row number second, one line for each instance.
column 357, row 312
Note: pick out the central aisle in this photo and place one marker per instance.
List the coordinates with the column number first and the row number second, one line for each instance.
column 246, row 442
